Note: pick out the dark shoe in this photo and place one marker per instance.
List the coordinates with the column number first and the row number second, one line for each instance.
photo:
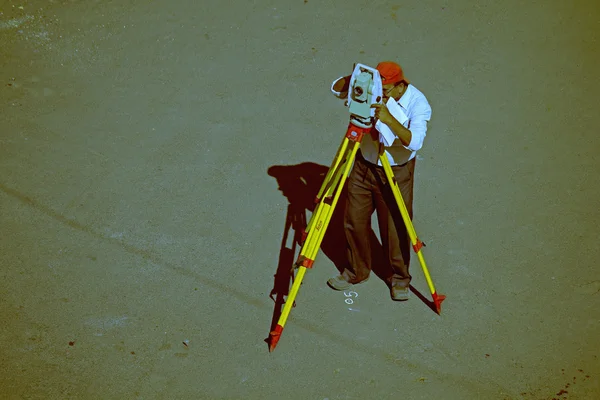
column 339, row 283
column 399, row 293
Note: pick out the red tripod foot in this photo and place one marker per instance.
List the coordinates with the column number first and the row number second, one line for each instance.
column 274, row 337
column 437, row 301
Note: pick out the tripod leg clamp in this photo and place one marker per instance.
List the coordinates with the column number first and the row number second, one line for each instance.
column 304, row 262
column 417, row 247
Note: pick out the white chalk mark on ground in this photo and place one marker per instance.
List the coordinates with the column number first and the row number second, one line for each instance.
column 35, row 31
column 349, row 295
column 14, row 23
column 117, row 235
column 104, row 324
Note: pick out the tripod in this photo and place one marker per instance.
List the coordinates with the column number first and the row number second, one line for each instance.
column 326, row 202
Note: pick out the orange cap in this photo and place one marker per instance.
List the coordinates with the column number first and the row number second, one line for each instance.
column 391, row 73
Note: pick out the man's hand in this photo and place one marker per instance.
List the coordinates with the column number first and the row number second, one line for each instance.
column 383, row 114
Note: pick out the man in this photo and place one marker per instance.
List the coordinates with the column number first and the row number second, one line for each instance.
column 368, row 189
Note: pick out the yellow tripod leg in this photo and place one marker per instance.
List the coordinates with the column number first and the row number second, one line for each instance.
column 417, row 244
column 333, row 169
column 330, row 201
column 315, row 236
column 336, row 162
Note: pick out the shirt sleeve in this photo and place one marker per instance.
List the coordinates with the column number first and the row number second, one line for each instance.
column 418, row 127
column 340, row 95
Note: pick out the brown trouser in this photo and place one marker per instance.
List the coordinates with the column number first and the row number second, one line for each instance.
column 368, row 191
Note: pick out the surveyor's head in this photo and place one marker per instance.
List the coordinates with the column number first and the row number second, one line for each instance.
column 393, row 81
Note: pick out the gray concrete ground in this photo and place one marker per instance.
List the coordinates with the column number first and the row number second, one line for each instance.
column 137, row 211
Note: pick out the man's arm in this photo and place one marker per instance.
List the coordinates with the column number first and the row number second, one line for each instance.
column 402, row 133
column 418, row 128
column 411, row 138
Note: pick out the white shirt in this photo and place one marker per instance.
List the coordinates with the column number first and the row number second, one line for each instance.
column 416, row 107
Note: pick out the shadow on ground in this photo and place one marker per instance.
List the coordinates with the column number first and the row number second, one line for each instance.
column 300, row 184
